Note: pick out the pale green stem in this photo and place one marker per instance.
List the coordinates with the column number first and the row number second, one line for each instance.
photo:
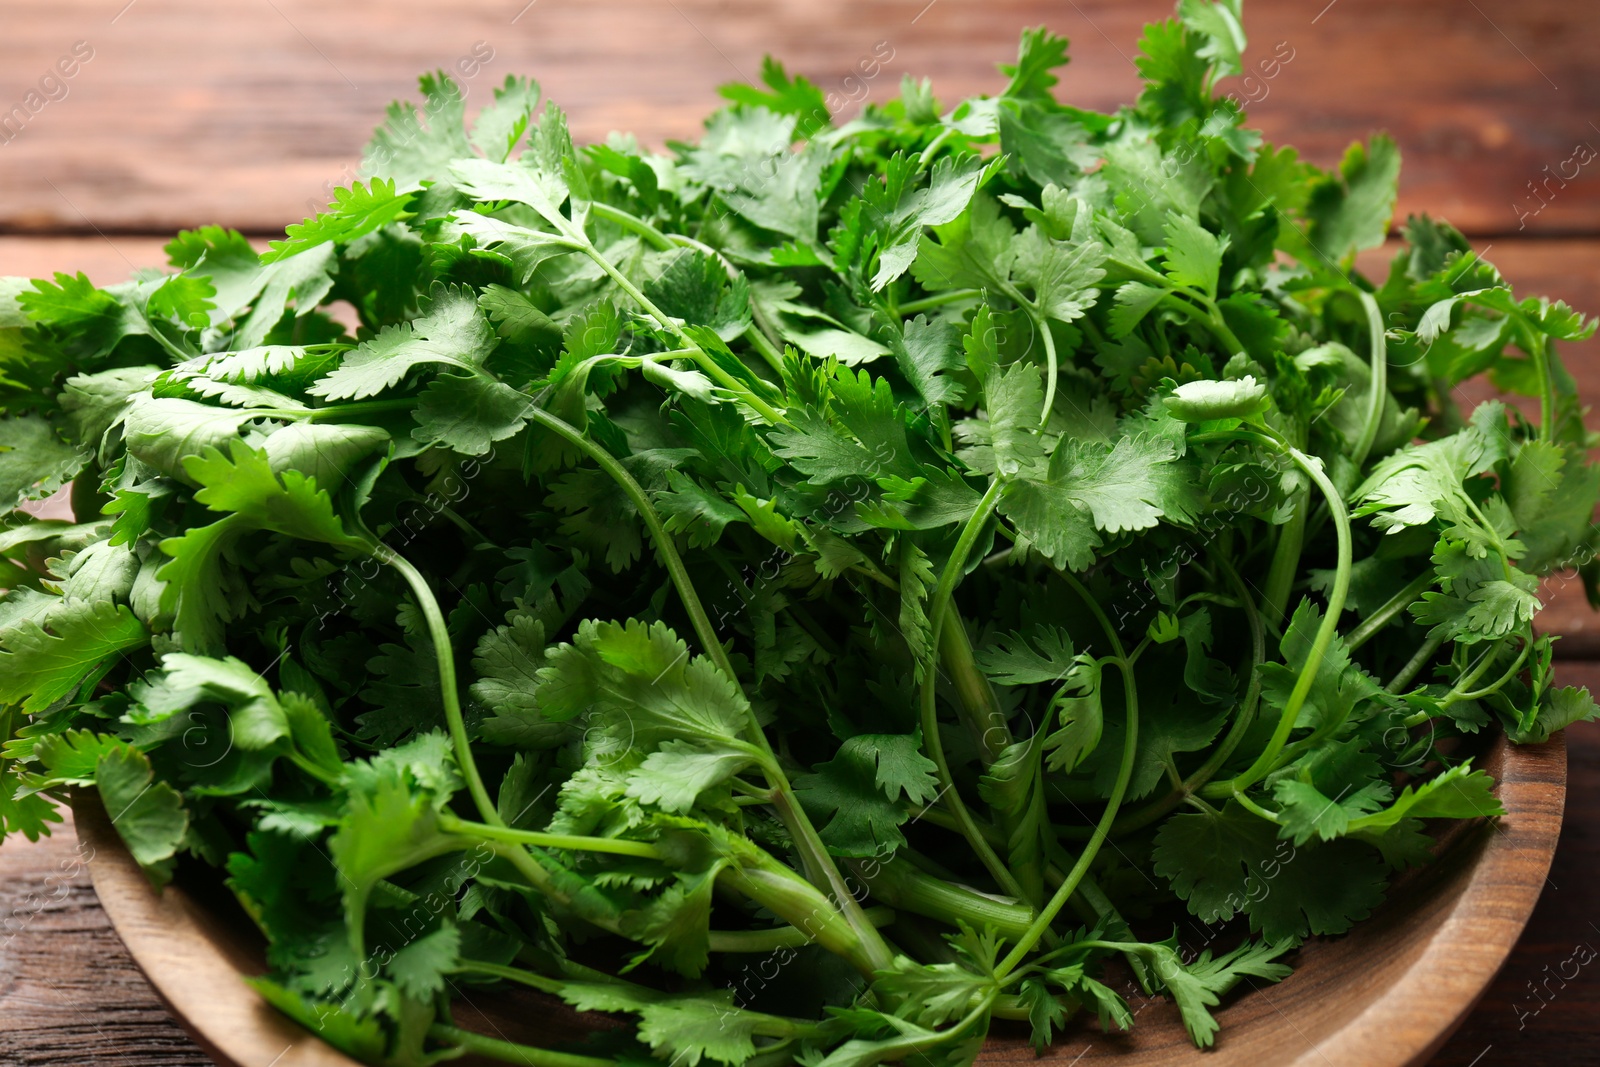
column 1547, row 387
column 1051, row 370
column 667, row 322
column 1253, row 808
column 1285, row 561
column 629, row 221
column 1211, row 319
column 439, row 634
column 1379, row 386
column 937, row 614
column 615, row 846
column 1479, row 694
column 1484, row 661
column 781, row 936
column 659, row 536
column 511, row 1052
column 928, row 303
column 1242, row 721
column 1415, row 664
column 361, row 407
column 765, row 340
column 933, row 147
column 1041, row 924
column 1393, row 606
column 1326, row 631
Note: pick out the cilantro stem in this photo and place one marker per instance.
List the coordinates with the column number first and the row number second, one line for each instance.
column 813, row 853
column 1119, row 789
column 938, row 610
column 562, row 886
column 665, row 546
column 1220, row 327
column 833, row 920
column 763, row 344
column 1118, row 650
column 1539, row 351
column 1473, row 673
column 667, row 322
column 1209, row 316
column 1242, row 721
column 933, row 147
column 806, row 840
column 765, row 1025
column 1415, row 664
column 1051, row 369
column 764, row 339
column 461, row 744
column 439, row 634
column 900, row 885
column 519, row 975
column 615, row 846
column 1286, row 561
column 357, row 408
column 1378, row 385
column 181, row 355
column 928, row 303
column 1326, row 631
column 328, row 778
column 632, row 222
column 1457, row 694
column 780, row 936
column 1393, row 606
column 510, row 1051
column 974, row 694
column 895, row 1050
column 945, row 821
column 1494, row 535
column 1253, row 808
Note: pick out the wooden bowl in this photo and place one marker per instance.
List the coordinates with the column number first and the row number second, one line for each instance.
column 1386, row 994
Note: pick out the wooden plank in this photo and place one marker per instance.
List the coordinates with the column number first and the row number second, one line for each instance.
column 106, row 260
column 191, row 112
column 69, row 993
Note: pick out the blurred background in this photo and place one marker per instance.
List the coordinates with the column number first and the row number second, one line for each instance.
column 122, row 121
column 182, row 112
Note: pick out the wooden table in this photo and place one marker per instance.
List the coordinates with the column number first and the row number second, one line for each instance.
column 183, row 112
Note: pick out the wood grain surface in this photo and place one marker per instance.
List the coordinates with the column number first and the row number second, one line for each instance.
column 192, row 112
column 69, row 993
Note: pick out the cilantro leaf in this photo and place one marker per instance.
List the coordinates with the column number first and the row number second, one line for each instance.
column 42, row 662
column 1228, row 862
column 451, row 332
column 1351, row 211
column 354, row 212
column 1089, row 488
column 149, row 815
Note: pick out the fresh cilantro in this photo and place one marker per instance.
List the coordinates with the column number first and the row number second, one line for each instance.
column 683, row 558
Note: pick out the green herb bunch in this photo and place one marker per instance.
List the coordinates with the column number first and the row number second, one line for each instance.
column 811, row 594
